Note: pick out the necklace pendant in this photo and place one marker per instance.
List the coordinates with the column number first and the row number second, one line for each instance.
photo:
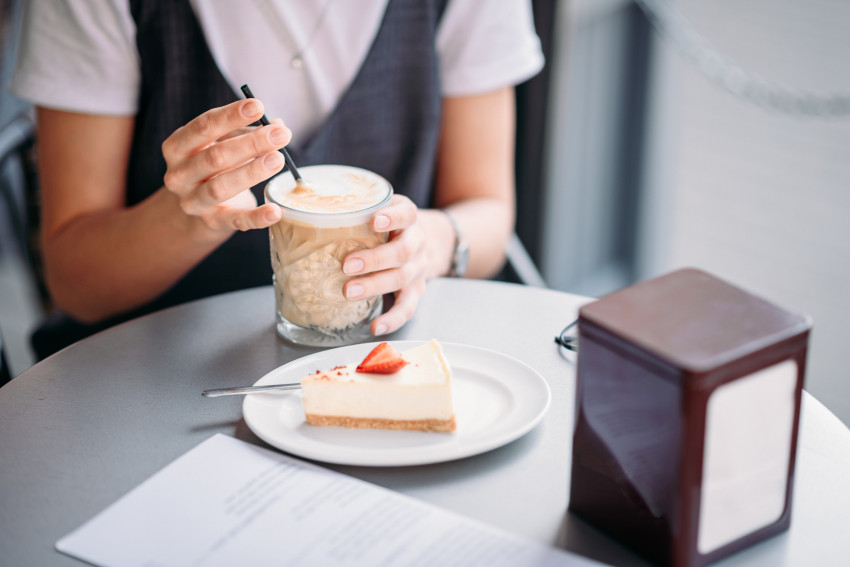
column 296, row 62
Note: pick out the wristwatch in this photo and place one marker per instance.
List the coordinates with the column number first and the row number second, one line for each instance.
column 460, row 256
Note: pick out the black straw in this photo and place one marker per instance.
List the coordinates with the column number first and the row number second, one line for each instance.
column 265, row 122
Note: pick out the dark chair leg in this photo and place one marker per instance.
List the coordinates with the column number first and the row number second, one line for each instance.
column 5, row 371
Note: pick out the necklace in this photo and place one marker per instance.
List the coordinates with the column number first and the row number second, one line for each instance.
column 273, row 16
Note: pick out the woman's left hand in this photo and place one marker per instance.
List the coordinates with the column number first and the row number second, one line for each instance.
column 399, row 266
column 474, row 179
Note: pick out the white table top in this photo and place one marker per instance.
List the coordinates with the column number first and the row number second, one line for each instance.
column 87, row 425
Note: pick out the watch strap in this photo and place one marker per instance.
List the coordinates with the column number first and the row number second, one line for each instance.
column 460, row 254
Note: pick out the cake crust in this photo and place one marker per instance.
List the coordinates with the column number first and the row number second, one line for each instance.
column 429, row 425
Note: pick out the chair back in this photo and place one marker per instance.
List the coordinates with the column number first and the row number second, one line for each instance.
column 19, row 196
column 19, row 254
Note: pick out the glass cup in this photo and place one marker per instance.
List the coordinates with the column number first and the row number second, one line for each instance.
column 324, row 219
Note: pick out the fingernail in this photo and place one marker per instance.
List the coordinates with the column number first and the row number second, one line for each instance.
column 273, row 161
column 272, row 216
column 353, row 266
column 380, row 330
column 382, row 221
column 278, row 136
column 354, row 291
column 251, row 108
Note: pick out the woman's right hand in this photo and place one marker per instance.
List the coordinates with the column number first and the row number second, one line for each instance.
column 214, row 160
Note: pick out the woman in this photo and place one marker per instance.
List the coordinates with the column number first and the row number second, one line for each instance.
column 151, row 172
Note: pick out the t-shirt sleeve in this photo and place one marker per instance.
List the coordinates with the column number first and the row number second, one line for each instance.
column 79, row 56
column 485, row 45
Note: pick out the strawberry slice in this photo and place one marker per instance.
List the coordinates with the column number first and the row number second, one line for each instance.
column 383, row 359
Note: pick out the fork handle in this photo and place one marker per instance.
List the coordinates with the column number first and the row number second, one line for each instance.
column 249, row 390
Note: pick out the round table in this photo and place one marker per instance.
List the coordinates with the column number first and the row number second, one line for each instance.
column 85, row 426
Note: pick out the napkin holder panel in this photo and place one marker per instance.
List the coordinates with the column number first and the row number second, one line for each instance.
column 688, row 405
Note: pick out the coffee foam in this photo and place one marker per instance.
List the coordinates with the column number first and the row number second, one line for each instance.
column 330, row 195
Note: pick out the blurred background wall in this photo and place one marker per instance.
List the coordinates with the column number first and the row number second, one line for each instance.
column 634, row 163
column 653, row 166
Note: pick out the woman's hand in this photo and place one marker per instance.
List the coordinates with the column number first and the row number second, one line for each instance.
column 400, row 266
column 215, row 159
column 475, row 180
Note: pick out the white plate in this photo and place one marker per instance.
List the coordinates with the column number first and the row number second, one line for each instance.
column 497, row 399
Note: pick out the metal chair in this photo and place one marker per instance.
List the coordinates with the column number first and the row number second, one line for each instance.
column 18, row 178
column 18, row 187
column 522, row 265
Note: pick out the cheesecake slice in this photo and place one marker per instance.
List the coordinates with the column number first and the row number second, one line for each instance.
column 418, row 396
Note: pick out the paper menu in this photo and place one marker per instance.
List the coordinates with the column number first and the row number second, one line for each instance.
column 227, row 502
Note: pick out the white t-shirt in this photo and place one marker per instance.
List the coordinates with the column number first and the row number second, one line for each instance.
column 81, row 56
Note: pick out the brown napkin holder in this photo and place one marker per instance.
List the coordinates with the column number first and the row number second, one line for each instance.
column 688, row 405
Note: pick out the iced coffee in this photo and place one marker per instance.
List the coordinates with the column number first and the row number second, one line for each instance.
column 325, row 217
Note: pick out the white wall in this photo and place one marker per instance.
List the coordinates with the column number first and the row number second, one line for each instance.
column 759, row 197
